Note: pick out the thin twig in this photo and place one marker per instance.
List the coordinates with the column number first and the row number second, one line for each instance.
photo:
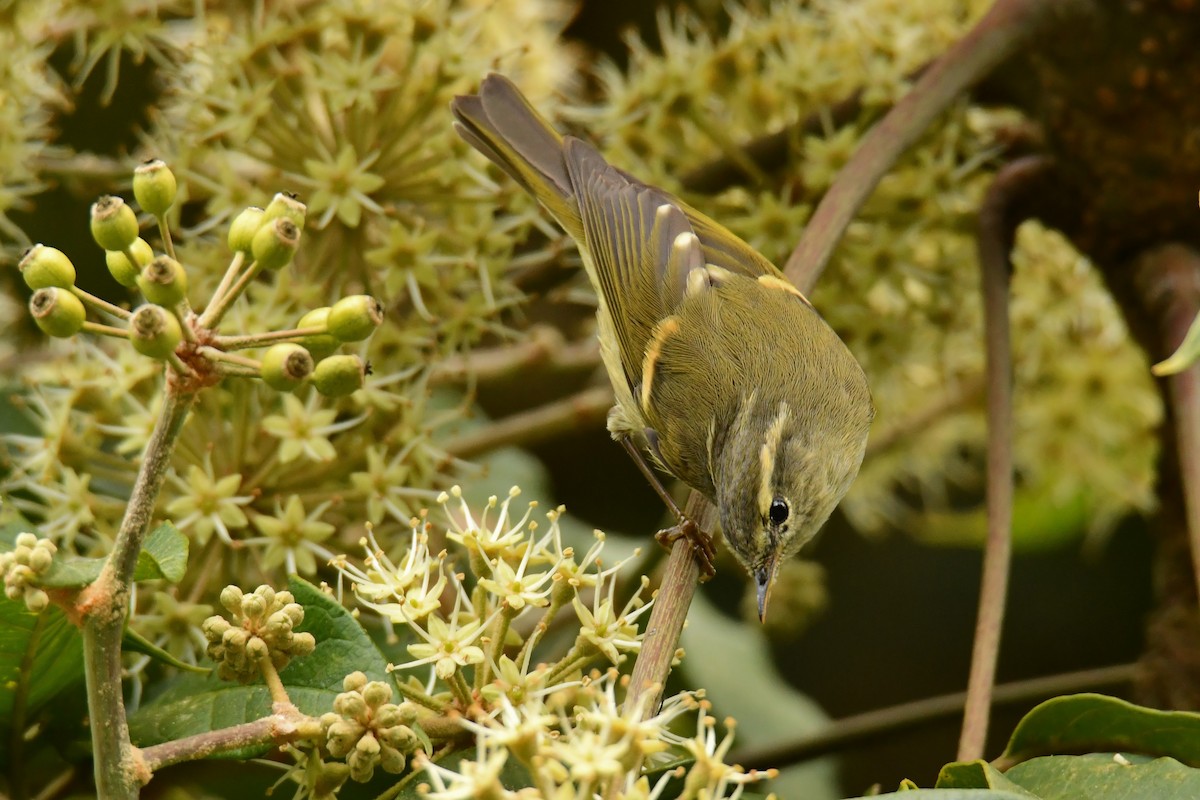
column 544, row 346
column 280, row 728
column 1005, row 27
column 589, row 407
column 872, row 725
column 997, row 226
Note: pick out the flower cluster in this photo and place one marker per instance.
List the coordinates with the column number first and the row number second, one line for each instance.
column 21, row 567
column 368, row 729
column 263, row 634
column 501, row 671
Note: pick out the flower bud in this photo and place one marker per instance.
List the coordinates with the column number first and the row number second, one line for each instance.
column 376, row 693
column 354, row 681
column 43, row 266
column 57, row 312
column 27, row 539
column 243, row 228
column 253, row 606
column 350, row 705
column 256, row 649
column 40, row 559
column 163, row 281
column 287, row 206
column 285, row 366
column 338, row 376
column 231, row 598
column 154, row 331
column 36, row 600
column 124, row 272
column 275, row 243
column 354, row 318
column 114, row 225
column 154, row 187
column 319, row 344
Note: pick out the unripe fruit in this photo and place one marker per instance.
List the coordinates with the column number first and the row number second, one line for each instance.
column 243, row 228
column 114, row 225
column 124, row 272
column 319, row 344
column 275, row 243
column 287, row 206
column 338, row 376
column 44, row 266
column 154, row 187
column 163, row 281
column 285, row 366
column 354, row 318
column 57, row 312
column 154, row 331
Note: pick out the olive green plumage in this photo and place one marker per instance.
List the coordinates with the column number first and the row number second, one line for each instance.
column 721, row 368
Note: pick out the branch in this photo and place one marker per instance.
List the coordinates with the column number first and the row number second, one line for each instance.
column 1169, row 281
column 998, row 220
column 545, row 347
column 671, row 604
column 872, row 725
column 536, row 425
column 103, row 605
column 284, row 726
column 1007, row 26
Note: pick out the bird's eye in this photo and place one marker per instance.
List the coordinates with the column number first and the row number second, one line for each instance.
column 778, row 511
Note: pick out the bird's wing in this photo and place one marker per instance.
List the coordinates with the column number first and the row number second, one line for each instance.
column 641, row 248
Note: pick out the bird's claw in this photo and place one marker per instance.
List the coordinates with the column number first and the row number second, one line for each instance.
column 702, row 544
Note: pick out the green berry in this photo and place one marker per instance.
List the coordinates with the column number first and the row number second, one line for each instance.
column 154, row 331
column 122, row 270
column 44, row 266
column 288, row 206
column 285, row 366
column 275, row 243
column 320, row 345
column 154, row 187
column 57, row 312
column 243, row 228
column 163, row 281
column 114, row 225
column 354, row 318
column 338, row 376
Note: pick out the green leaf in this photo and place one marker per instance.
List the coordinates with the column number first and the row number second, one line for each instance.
column 1090, row 723
column 1100, row 776
column 772, row 711
column 163, row 557
column 975, row 775
column 40, row 656
column 134, row 642
column 194, row 704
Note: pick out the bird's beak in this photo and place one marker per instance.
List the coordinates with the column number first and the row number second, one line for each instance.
column 764, row 578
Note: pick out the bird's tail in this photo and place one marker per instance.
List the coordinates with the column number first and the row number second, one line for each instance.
column 500, row 123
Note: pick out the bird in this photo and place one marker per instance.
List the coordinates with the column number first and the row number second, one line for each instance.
column 723, row 372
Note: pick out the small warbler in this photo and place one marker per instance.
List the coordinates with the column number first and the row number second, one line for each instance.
column 722, row 370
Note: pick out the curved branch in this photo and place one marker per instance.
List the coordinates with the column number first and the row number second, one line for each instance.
column 998, row 220
column 1006, row 26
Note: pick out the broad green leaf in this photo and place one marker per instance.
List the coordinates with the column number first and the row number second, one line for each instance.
column 194, row 704
column 1103, row 776
column 134, row 642
column 40, row 655
column 975, row 775
column 1095, row 723
column 163, row 557
column 731, row 661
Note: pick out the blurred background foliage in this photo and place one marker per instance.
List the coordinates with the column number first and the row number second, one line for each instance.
column 487, row 352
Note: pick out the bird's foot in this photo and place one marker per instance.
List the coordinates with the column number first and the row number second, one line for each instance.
column 703, row 549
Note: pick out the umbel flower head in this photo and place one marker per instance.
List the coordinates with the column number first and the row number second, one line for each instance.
column 262, row 632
